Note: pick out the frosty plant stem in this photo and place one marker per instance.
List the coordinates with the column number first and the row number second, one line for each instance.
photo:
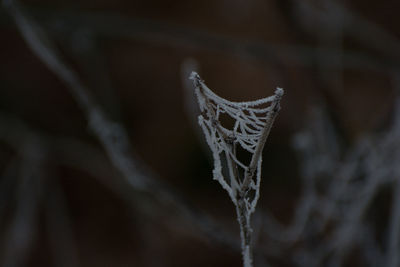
column 253, row 121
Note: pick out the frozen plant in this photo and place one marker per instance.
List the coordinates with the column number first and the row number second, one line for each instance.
column 252, row 123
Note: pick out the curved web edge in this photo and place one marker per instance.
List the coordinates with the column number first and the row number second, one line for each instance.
column 250, row 120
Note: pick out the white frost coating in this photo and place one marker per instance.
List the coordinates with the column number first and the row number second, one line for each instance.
column 252, row 122
column 279, row 92
column 210, row 94
column 217, row 172
column 247, row 257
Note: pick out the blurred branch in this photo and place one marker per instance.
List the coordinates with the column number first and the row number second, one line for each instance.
column 393, row 244
column 337, row 16
column 339, row 188
column 112, row 136
column 117, row 26
column 22, row 229
column 86, row 48
column 76, row 154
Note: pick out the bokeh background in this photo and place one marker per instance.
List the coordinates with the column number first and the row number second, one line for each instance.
column 63, row 201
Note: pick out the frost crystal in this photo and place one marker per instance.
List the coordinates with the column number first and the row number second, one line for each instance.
column 250, row 121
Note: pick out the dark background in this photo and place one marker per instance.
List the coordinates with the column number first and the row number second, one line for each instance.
column 343, row 55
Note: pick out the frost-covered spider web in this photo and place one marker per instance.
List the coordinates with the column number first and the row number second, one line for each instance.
column 250, row 122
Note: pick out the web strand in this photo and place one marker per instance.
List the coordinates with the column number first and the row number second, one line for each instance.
column 250, row 119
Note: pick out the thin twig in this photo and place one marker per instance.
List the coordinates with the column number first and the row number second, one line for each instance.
column 222, row 140
column 275, row 107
